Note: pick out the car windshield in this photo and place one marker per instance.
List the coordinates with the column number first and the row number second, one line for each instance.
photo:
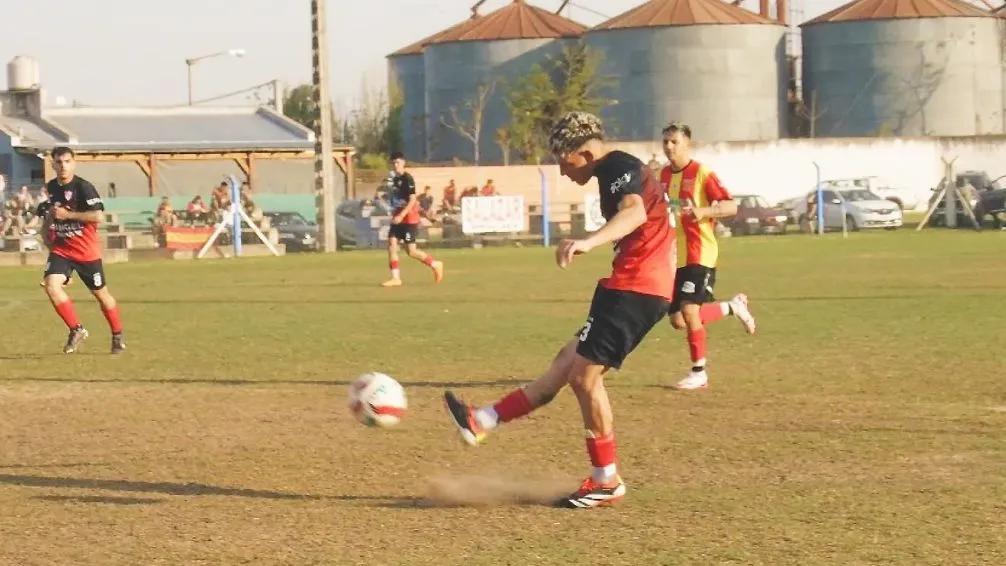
column 289, row 219
column 859, row 195
column 754, row 202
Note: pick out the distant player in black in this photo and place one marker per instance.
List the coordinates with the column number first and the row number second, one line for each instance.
column 70, row 230
column 405, row 224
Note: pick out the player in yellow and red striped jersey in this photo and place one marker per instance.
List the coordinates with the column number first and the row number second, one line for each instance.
column 699, row 197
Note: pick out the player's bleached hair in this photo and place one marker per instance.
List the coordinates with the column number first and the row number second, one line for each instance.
column 572, row 131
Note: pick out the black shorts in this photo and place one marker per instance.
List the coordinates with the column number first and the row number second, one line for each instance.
column 618, row 322
column 405, row 233
column 92, row 273
column 693, row 284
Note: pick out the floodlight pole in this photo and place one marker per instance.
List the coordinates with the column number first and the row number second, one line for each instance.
column 324, row 169
column 820, row 201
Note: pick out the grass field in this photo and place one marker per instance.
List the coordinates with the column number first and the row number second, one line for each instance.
column 864, row 424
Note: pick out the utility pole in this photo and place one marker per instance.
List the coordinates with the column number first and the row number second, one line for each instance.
column 324, row 168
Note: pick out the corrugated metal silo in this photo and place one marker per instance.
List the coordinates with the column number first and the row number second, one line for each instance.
column 501, row 45
column 904, row 68
column 718, row 67
column 406, row 70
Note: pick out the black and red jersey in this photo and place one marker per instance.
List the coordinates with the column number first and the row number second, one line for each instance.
column 73, row 239
column 644, row 259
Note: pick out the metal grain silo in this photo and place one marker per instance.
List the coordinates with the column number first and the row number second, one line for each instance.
column 406, row 72
column 501, row 45
column 904, row 68
column 715, row 66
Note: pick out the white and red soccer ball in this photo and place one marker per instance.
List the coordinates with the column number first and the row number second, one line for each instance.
column 376, row 399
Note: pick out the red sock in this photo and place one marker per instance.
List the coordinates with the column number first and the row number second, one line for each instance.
column 697, row 346
column 711, row 312
column 513, row 406
column 112, row 316
column 66, row 311
column 602, row 451
column 429, row 261
column 393, row 265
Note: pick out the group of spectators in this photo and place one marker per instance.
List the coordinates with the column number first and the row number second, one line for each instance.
column 18, row 216
column 198, row 213
column 449, row 209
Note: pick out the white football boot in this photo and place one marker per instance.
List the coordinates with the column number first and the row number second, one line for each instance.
column 695, row 380
column 739, row 306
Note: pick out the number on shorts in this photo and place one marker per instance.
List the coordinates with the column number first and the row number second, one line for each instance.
column 97, row 279
column 586, row 329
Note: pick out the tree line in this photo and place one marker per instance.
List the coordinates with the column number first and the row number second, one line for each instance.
column 568, row 81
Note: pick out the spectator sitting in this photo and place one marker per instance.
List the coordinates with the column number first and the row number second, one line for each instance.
column 253, row 212
column 198, row 211
column 489, row 190
column 426, row 204
column 220, row 200
column 25, row 211
column 469, row 192
column 450, row 202
column 165, row 216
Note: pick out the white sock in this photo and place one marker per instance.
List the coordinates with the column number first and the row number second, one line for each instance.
column 605, row 474
column 725, row 307
column 487, row 418
column 395, row 274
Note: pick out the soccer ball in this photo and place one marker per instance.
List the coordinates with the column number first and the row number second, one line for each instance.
column 376, row 399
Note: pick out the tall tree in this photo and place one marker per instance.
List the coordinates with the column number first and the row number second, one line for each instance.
column 567, row 82
column 298, row 106
column 470, row 127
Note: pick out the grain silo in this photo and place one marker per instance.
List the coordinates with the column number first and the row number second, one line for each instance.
column 904, row 68
column 501, row 45
column 713, row 65
column 406, row 72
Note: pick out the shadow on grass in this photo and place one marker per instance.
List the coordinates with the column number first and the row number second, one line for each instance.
column 259, row 382
column 102, row 499
column 187, row 489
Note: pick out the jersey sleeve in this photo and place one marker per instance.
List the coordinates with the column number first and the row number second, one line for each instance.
column 715, row 191
column 88, row 198
column 410, row 184
column 627, row 180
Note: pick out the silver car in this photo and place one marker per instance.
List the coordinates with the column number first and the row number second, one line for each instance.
column 855, row 208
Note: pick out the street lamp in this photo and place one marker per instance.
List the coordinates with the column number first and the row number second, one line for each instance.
column 194, row 60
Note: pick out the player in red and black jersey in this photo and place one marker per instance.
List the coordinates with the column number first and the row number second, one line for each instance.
column 405, row 224
column 626, row 305
column 70, row 230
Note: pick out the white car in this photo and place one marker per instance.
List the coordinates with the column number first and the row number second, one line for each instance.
column 859, row 208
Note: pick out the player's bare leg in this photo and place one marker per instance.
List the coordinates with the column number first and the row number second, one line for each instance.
column 396, row 274
column 63, row 305
column 427, row 260
column 586, row 379
column 474, row 423
column 110, row 308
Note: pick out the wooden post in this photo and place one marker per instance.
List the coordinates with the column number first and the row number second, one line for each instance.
column 48, row 173
column 152, row 174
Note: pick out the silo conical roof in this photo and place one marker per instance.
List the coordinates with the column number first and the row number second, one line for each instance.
column 863, row 10
column 660, row 13
column 517, row 20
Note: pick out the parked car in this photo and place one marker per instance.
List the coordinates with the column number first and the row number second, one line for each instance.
column 985, row 195
column 347, row 213
column 756, row 216
column 295, row 231
column 859, row 208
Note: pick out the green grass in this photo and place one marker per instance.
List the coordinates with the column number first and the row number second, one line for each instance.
column 864, row 424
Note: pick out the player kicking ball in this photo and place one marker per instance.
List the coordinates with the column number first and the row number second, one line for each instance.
column 70, row 230
column 626, row 305
column 405, row 224
column 697, row 193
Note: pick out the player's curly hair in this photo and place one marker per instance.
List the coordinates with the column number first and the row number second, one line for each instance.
column 573, row 130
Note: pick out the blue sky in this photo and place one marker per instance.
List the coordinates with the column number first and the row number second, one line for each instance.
column 130, row 53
